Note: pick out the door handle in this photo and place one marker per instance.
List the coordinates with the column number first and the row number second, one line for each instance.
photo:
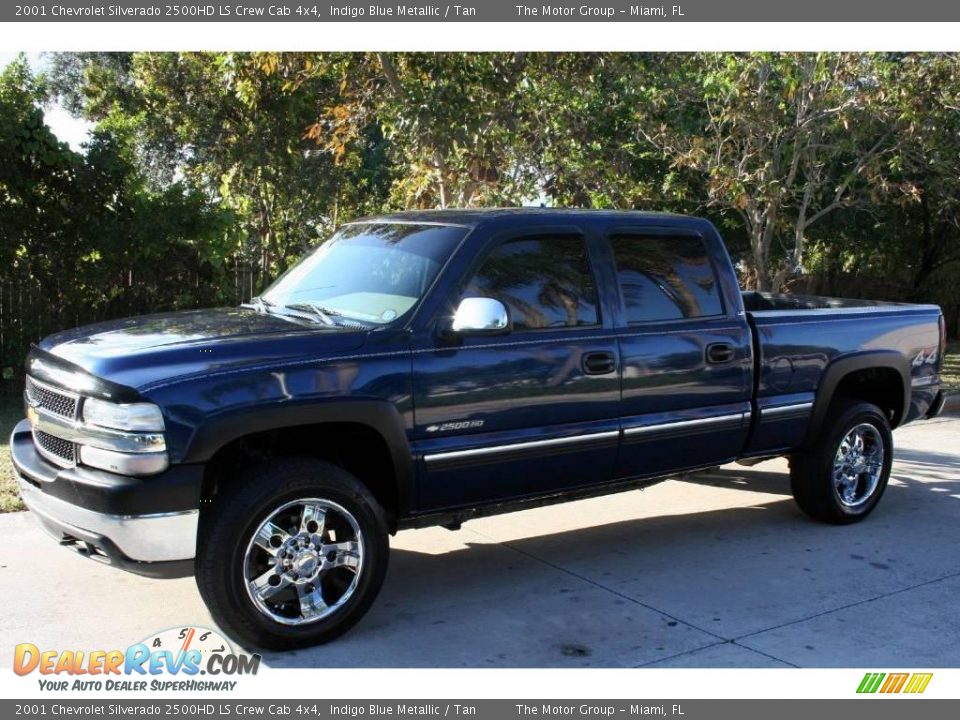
column 598, row 363
column 720, row 352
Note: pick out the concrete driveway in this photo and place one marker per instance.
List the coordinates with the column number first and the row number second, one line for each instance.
column 721, row 571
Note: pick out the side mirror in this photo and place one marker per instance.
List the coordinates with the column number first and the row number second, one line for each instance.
column 481, row 316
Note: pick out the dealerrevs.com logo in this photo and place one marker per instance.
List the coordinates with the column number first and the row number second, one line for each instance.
column 170, row 660
column 898, row 682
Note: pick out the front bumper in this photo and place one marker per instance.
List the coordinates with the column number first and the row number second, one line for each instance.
column 144, row 525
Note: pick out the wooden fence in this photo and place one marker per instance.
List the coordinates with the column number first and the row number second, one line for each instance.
column 26, row 314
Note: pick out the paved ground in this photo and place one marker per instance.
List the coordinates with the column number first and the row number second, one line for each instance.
column 719, row 572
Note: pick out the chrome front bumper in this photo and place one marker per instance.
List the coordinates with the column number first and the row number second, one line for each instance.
column 141, row 538
column 144, row 525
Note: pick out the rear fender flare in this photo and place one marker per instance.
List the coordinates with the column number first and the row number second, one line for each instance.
column 840, row 368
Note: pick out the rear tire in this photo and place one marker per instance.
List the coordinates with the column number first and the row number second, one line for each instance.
column 841, row 477
column 292, row 555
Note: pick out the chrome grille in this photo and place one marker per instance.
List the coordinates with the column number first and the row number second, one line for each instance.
column 57, row 450
column 58, row 402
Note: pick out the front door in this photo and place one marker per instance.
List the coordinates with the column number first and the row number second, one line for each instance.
column 529, row 412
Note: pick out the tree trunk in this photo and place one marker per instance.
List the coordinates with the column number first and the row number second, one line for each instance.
column 761, row 262
column 761, row 238
column 764, row 282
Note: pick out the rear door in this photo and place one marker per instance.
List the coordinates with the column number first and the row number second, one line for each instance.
column 686, row 354
column 529, row 412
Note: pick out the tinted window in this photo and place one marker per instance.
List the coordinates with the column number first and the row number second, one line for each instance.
column 545, row 282
column 375, row 272
column 665, row 278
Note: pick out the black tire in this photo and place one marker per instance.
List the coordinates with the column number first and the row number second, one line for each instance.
column 811, row 471
column 227, row 529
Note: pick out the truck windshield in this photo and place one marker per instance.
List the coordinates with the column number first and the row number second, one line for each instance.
column 370, row 272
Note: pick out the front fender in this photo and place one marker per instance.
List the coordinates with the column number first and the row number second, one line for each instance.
column 380, row 415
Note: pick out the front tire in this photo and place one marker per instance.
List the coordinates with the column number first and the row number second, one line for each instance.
column 293, row 555
column 842, row 476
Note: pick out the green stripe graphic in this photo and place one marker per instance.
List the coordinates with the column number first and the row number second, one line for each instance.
column 871, row 682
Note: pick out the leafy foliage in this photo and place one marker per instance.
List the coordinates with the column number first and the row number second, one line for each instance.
column 83, row 236
column 831, row 172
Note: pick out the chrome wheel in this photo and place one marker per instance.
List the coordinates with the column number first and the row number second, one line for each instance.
column 858, row 465
column 304, row 561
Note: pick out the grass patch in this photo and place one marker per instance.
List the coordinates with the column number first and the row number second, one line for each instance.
column 950, row 376
column 11, row 412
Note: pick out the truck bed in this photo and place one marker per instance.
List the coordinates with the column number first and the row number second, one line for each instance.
column 756, row 302
column 798, row 337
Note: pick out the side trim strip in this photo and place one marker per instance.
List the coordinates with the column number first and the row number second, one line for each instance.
column 797, row 408
column 533, row 444
column 681, row 424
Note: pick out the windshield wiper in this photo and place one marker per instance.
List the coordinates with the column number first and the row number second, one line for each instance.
column 326, row 315
column 259, row 304
column 306, row 310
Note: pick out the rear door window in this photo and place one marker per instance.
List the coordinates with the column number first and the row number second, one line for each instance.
column 665, row 278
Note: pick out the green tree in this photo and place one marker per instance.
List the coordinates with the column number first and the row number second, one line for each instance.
column 836, row 164
column 84, row 235
column 581, row 136
column 232, row 126
column 783, row 139
column 925, row 182
column 452, row 121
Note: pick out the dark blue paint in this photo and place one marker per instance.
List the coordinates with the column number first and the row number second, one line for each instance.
column 204, row 365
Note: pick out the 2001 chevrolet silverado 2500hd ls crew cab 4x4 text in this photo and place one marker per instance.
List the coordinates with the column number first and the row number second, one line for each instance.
column 424, row 368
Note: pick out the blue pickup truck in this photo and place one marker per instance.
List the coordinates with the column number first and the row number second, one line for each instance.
column 426, row 368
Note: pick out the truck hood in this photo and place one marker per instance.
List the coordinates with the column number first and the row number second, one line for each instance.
column 140, row 351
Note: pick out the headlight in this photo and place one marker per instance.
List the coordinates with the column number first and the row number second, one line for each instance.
column 133, row 416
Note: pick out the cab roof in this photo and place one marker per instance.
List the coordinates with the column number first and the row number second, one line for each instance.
column 474, row 217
